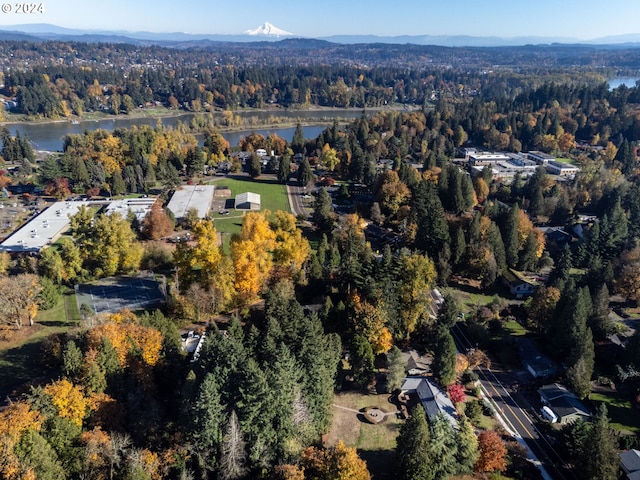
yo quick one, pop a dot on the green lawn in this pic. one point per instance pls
(273, 195)
(375, 443)
(21, 356)
(567, 160)
(623, 416)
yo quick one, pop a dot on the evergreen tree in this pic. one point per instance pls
(323, 214)
(467, 443)
(600, 460)
(361, 361)
(297, 143)
(413, 461)
(284, 169)
(443, 448)
(494, 239)
(444, 355)
(305, 173)
(458, 245)
(395, 368)
(510, 236)
(206, 416)
(599, 320)
(117, 184)
(529, 254)
(255, 166)
(432, 232)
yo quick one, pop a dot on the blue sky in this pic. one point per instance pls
(581, 19)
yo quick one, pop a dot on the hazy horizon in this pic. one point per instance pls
(584, 20)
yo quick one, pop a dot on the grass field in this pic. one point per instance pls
(273, 196)
(375, 443)
(623, 416)
(567, 160)
(20, 353)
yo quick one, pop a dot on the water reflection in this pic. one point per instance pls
(49, 136)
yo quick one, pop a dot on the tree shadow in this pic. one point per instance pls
(380, 463)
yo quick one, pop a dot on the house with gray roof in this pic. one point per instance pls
(630, 463)
(433, 400)
(563, 403)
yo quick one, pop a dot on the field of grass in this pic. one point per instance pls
(623, 416)
(375, 443)
(20, 353)
(273, 196)
(567, 160)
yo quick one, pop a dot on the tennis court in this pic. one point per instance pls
(110, 295)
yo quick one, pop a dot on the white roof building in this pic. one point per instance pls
(44, 229)
(191, 196)
(248, 201)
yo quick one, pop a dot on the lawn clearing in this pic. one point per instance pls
(21, 352)
(569, 161)
(375, 443)
(273, 195)
(623, 416)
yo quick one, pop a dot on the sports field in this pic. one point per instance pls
(110, 295)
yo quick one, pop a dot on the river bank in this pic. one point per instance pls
(164, 113)
(49, 136)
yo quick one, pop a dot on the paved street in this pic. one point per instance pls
(516, 419)
(296, 200)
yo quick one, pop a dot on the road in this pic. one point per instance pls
(516, 420)
(296, 201)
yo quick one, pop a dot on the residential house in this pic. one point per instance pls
(537, 364)
(564, 404)
(433, 400)
(630, 463)
(520, 284)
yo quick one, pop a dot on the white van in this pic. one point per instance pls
(548, 414)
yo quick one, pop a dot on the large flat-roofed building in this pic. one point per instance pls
(191, 196)
(506, 170)
(44, 229)
(561, 169)
(487, 158)
(540, 158)
(138, 206)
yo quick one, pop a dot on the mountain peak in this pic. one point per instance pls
(269, 30)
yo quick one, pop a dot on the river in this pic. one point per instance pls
(49, 136)
(628, 82)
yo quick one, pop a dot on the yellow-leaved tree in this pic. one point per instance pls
(291, 249)
(15, 420)
(204, 264)
(127, 338)
(370, 321)
(252, 255)
(335, 462)
(417, 274)
(69, 399)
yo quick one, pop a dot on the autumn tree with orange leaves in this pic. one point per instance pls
(493, 453)
(156, 223)
(333, 463)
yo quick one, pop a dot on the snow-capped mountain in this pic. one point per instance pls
(269, 30)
